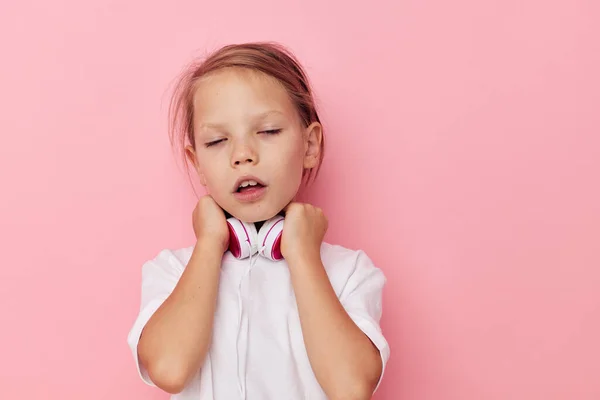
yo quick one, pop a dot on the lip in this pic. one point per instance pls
(251, 195)
(246, 178)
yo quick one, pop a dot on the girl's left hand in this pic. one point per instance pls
(303, 231)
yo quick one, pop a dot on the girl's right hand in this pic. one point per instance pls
(210, 223)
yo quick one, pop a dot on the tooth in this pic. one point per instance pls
(244, 184)
(253, 183)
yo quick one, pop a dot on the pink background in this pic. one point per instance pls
(463, 156)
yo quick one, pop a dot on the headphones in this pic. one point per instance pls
(245, 241)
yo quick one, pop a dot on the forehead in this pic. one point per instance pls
(239, 94)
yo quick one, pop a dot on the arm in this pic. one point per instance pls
(175, 340)
(345, 361)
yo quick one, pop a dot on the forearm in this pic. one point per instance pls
(176, 339)
(345, 362)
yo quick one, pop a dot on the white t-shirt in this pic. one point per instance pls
(257, 350)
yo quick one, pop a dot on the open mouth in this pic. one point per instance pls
(249, 186)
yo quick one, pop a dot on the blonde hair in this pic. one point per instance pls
(271, 59)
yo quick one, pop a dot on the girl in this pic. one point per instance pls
(259, 308)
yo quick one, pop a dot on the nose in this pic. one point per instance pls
(243, 153)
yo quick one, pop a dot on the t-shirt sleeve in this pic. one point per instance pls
(362, 298)
(159, 278)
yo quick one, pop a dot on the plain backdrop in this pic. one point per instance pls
(463, 155)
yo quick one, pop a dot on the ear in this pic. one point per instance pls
(313, 137)
(190, 154)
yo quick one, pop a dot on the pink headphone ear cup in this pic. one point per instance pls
(240, 237)
(234, 242)
(270, 238)
(276, 250)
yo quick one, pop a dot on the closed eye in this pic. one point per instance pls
(271, 131)
(214, 142)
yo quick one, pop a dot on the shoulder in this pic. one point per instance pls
(336, 256)
(168, 260)
(343, 265)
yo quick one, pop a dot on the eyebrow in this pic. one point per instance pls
(266, 114)
(258, 117)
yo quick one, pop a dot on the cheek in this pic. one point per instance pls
(294, 154)
(292, 165)
(211, 171)
(295, 150)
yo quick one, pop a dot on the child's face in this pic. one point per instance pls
(246, 127)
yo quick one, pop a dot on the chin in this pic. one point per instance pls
(255, 213)
(251, 217)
